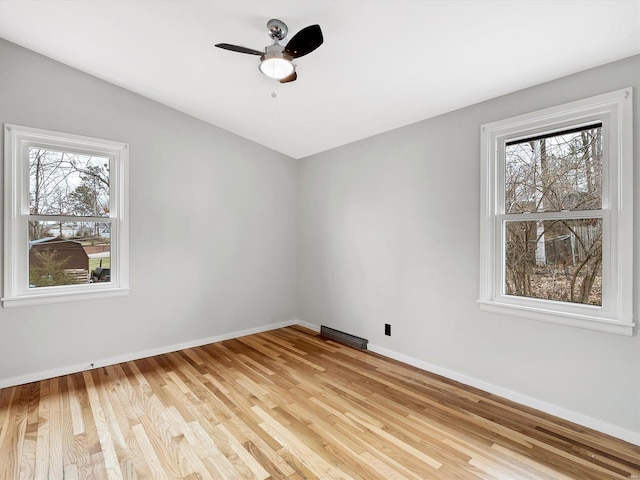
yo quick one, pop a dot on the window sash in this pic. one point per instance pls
(503, 141)
(113, 258)
(562, 215)
(609, 279)
(557, 133)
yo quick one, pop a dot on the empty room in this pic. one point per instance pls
(352, 239)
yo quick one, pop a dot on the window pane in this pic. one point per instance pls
(66, 253)
(62, 183)
(561, 172)
(555, 260)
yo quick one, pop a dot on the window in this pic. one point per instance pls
(556, 206)
(65, 223)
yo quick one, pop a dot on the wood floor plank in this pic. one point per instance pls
(243, 455)
(77, 420)
(9, 435)
(288, 404)
(107, 440)
(28, 457)
(266, 456)
(57, 422)
(300, 450)
(82, 460)
(152, 461)
(41, 469)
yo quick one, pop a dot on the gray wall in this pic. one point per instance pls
(389, 233)
(213, 225)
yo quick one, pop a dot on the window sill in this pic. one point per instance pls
(588, 322)
(49, 298)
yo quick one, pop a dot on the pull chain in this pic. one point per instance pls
(276, 96)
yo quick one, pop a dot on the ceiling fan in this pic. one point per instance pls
(277, 60)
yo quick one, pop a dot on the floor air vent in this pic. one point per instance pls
(344, 338)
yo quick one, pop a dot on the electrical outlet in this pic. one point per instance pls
(387, 329)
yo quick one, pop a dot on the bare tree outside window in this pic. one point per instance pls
(65, 186)
(554, 259)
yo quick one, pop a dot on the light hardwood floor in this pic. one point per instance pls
(287, 404)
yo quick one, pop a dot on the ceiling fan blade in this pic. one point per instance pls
(305, 41)
(239, 49)
(290, 78)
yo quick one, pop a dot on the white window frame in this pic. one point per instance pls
(615, 111)
(17, 141)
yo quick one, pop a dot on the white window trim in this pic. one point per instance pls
(615, 111)
(16, 291)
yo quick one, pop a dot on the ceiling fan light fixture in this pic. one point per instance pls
(275, 65)
(277, 60)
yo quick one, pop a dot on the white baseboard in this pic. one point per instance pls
(570, 415)
(66, 370)
(310, 326)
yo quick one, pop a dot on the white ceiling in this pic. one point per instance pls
(383, 64)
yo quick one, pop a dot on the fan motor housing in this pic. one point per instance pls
(277, 29)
